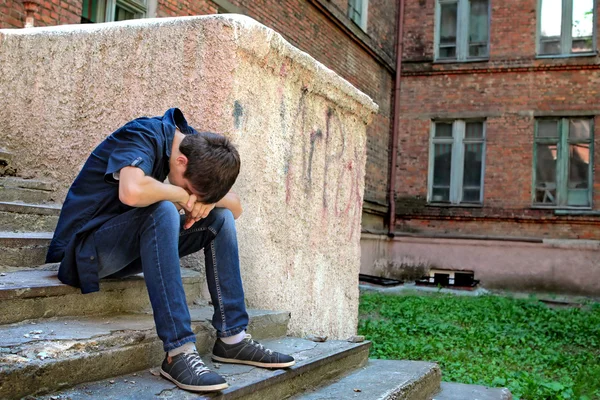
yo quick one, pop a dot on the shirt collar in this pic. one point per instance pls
(173, 119)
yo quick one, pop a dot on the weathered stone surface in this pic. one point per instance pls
(34, 184)
(27, 195)
(315, 363)
(6, 168)
(300, 130)
(384, 380)
(18, 217)
(39, 294)
(23, 249)
(460, 391)
(63, 352)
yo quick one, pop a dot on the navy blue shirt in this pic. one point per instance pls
(93, 197)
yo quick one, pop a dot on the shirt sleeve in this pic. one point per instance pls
(134, 145)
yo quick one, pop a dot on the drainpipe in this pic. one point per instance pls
(396, 123)
(31, 7)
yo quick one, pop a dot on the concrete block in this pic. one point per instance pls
(300, 130)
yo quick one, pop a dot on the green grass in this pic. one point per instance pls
(537, 352)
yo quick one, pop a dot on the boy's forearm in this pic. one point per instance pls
(232, 202)
(150, 191)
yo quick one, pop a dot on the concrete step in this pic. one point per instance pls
(39, 294)
(23, 183)
(26, 190)
(23, 249)
(383, 380)
(316, 363)
(460, 391)
(59, 353)
(21, 217)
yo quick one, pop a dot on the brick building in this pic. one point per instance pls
(497, 136)
(498, 141)
(498, 119)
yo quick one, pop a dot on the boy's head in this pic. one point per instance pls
(209, 166)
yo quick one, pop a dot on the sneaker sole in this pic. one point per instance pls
(254, 363)
(192, 388)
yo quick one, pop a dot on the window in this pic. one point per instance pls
(462, 30)
(566, 27)
(225, 7)
(112, 10)
(562, 173)
(357, 12)
(456, 162)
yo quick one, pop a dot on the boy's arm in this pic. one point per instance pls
(138, 190)
(232, 202)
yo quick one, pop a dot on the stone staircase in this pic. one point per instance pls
(29, 212)
(54, 340)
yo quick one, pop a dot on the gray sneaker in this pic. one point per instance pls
(187, 371)
(250, 352)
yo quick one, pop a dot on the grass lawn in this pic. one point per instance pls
(537, 352)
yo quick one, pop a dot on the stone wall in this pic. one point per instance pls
(300, 129)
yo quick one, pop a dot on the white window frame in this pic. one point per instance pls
(566, 40)
(562, 163)
(462, 31)
(458, 142)
(142, 9)
(363, 13)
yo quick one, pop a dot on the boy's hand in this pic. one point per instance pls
(188, 203)
(198, 211)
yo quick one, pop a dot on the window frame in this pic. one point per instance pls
(364, 11)
(562, 164)
(457, 161)
(565, 40)
(463, 10)
(140, 10)
(107, 8)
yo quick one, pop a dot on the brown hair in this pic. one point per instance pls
(213, 164)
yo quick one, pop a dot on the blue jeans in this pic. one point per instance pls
(151, 240)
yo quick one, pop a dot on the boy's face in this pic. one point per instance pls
(176, 175)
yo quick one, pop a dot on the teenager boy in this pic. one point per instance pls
(120, 219)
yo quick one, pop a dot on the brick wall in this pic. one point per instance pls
(183, 8)
(509, 91)
(51, 12)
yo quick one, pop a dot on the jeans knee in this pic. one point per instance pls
(165, 212)
(223, 217)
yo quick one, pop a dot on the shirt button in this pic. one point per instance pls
(92, 258)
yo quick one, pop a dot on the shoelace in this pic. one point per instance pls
(196, 363)
(256, 344)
